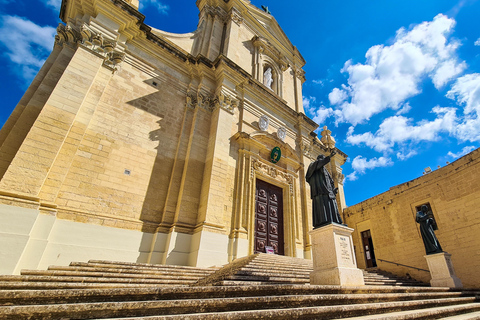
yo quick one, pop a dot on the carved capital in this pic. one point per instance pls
(338, 177)
(236, 17)
(91, 40)
(225, 102)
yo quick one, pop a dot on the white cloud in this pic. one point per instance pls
(308, 104)
(55, 4)
(464, 151)
(404, 109)
(392, 74)
(26, 44)
(160, 6)
(320, 114)
(398, 129)
(319, 82)
(337, 96)
(466, 92)
(477, 43)
(404, 155)
(361, 164)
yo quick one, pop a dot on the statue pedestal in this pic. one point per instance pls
(441, 270)
(333, 257)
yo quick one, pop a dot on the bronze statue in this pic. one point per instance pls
(430, 241)
(323, 191)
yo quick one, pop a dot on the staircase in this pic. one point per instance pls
(104, 274)
(255, 287)
(376, 277)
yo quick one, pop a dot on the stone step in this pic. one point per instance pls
(468, 316)
(144, 267)
(71, 295)
(257, 266)
(455, 312)
(35, 278)
(105, 275)
(267, 273)
(119, 269)
(266, 278)
(327, 312)
(148, 265)
(331, 304)
(9, 285)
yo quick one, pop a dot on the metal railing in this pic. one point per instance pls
(403, 265)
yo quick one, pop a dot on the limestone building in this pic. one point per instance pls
(386, 234)
(140, 145)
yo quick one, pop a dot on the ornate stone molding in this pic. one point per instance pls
(265, 47)
(262, 167)
(339, 177)
(225, 102)
(236, 17)
(306, 149)
(94, 41)
(216, 12)
(300, 74)
(199, 100)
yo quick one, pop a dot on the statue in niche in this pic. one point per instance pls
(268, 78)
(430, 241)
(323, 193)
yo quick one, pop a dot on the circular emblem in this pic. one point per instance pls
(275, 155)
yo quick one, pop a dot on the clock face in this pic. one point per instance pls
(275, 155)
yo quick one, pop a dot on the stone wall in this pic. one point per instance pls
(453, 194)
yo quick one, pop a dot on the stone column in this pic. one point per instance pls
(333, 257)
(441, 270)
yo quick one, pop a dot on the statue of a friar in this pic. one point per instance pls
(430, 241)
(323, 192)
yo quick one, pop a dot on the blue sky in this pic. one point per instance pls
(397, 82)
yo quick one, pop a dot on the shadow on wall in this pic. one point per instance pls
(171, 200)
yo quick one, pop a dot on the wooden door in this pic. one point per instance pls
(368, 249)
(268, 217)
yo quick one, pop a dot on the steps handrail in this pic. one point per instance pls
(403, 265)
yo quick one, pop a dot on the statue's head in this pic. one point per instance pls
(424, 208)
(320, 157)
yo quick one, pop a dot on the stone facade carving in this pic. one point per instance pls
(210, 103)
(225, 102)
(274, 173)
(236, 17)
(281, 133)
(83, 35)
(338, 177)
(263, 122)
(327, 139)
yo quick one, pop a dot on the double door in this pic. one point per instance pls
(268, 218)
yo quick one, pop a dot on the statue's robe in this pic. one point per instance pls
(430, 241)
(322, 191)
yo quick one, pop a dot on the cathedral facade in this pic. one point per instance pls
(136, 144)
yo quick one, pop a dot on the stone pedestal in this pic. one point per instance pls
(441, 270)
(333, 257)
